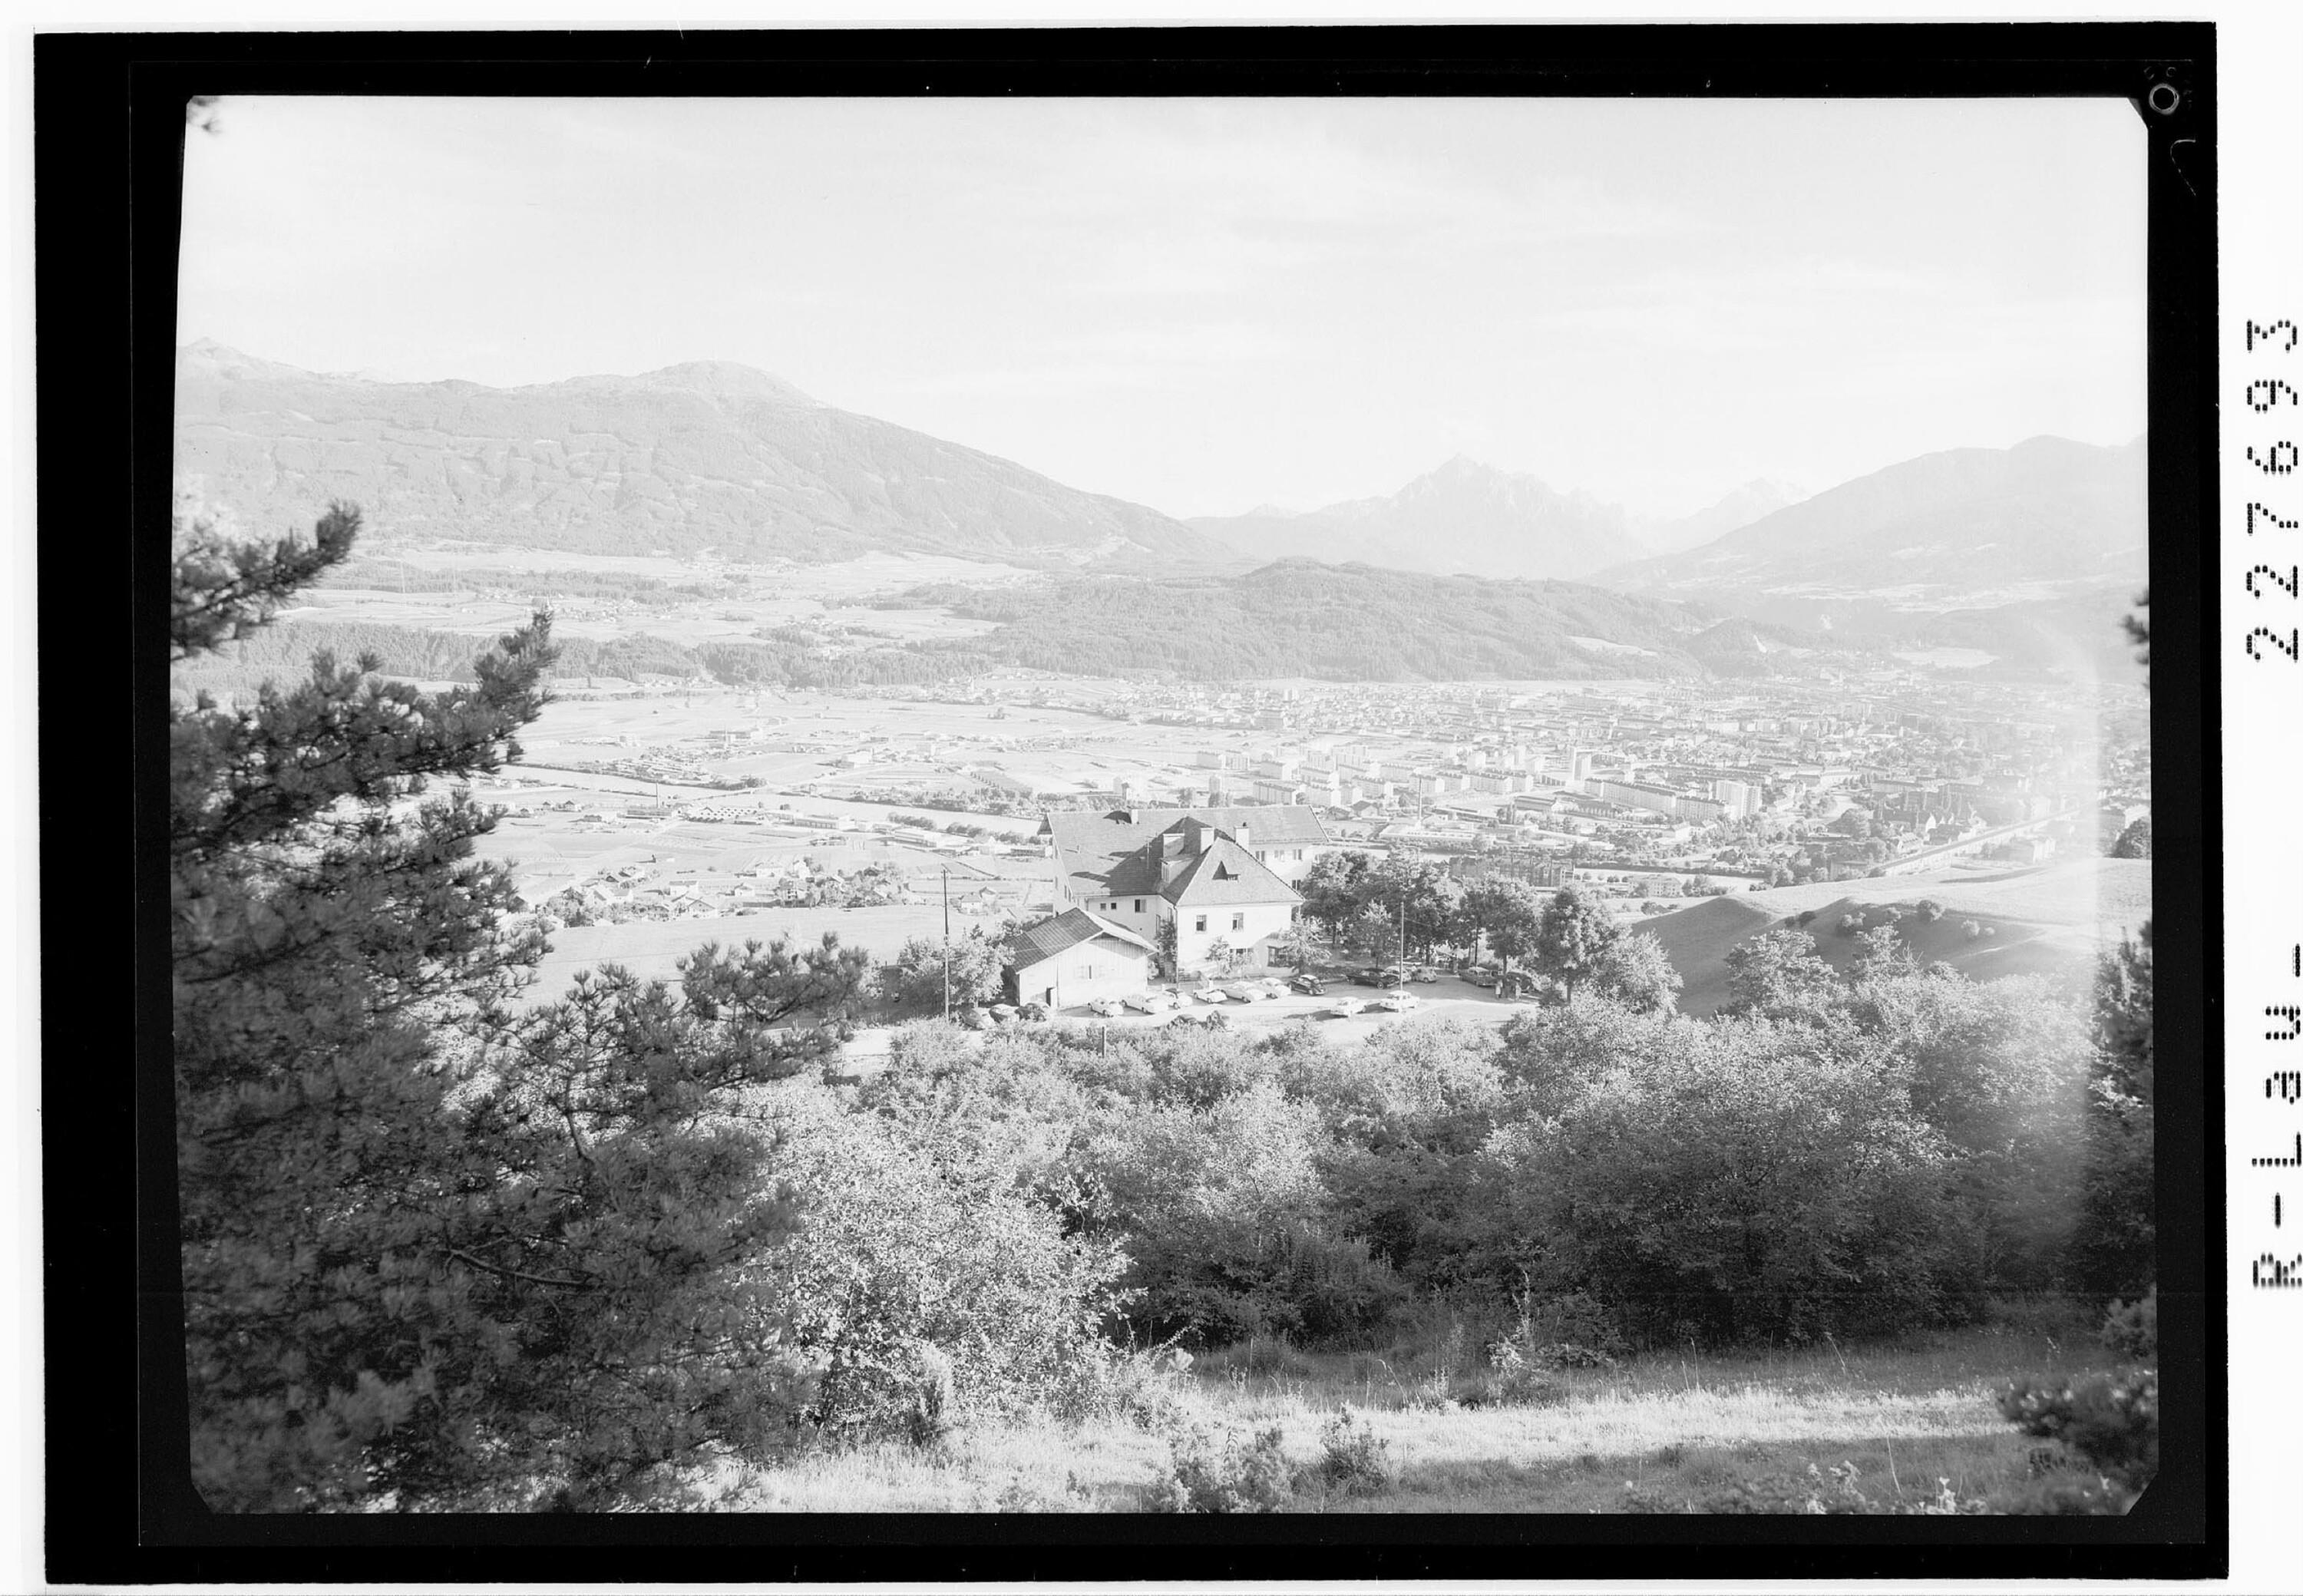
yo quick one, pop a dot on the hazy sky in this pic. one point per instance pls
(1203, 305)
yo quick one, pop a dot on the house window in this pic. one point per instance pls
(1139, 906)
(1239, 922)
(1200, 923)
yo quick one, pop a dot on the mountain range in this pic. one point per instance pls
(705, 455)
(1469, 518)
(1959, 529)
(2027, 552)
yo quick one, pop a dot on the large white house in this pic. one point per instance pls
(1223, 877)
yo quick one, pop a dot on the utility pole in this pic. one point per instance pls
(947, 944)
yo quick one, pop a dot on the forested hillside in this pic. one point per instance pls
(1348, 622)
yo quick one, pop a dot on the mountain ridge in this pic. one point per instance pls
(695, 455)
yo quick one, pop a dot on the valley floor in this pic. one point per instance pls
(1909, 1415)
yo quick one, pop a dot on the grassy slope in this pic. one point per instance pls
(1906, 1413)
(2049, 921)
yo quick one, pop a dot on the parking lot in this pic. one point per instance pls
(1447, 996)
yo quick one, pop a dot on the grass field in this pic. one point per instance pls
(1908, 1413)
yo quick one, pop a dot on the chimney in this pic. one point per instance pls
(1239, 835)
(1196, 836)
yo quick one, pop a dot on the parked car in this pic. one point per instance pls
(974, 1019)
(1341, 1008)
(1393, 976)
(1208, 995)
(1423, 973)
(1519, 987)
(1371, 976)
(1144, 1003)
(1108, 1008)
(1399, 1001)
(1484, 978)
(1310, 986)
(1002, 1014)
(1239, 992)
(1269, 988)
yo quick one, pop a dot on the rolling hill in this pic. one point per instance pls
(1966, 530)
(701, 456)
(2047, 921)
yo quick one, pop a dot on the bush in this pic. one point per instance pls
(1814, 1200)
(1931, 910)
(1970, 929)
(1353, 1458)
(923, 1298)
(1517, 1380)
(1216, 1470)
(2111, 1421)
(2132, 1329)
(1221, 1211)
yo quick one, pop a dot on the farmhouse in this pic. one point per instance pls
(1221, 878)
(1072, 958)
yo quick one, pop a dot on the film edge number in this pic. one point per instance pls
(2263, 395)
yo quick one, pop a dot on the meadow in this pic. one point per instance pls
(1658, 1431)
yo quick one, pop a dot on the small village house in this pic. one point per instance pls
(1072, 958)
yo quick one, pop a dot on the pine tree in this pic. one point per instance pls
(433, 1256)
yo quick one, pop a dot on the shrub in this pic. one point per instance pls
(2132, 1329)
(1970, 929)
(2111, 1421)
(1813, 1200)
(1352, 1457)
(923, 1296)
(1221, 1211)
(1931, 910)
(917, 984)
(1217, 1470)
(1517, 1380)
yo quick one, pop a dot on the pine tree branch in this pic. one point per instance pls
(514, 1274)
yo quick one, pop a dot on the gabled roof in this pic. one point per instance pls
(1226, 873)
(1044, 939)
(1093, 852)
